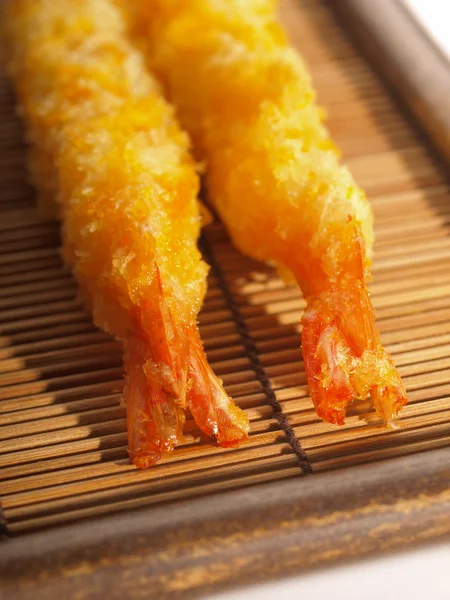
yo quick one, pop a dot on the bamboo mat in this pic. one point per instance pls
(62, 429)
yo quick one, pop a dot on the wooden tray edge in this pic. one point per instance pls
(237, 537)
(406, 57)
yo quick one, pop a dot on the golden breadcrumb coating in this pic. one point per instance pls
(272, 171)
(106, 145)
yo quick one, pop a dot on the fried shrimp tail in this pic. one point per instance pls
(108, 152)
(343, 355)
(156, 359)
(155, 418)
(214, 412)
(274, 176)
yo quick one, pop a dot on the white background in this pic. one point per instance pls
(420, 574)
(435, 17)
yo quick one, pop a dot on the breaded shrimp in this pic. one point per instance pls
(107, 145)
(272, 172)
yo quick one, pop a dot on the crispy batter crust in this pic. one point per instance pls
(106, 145)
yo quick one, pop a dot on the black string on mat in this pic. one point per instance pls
(252, 354)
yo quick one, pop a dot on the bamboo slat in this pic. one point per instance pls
(62, 428)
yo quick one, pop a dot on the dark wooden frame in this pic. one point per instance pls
(275, 528)
(241, 536)
(407, 57)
